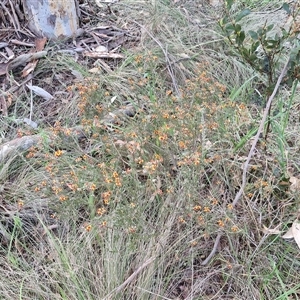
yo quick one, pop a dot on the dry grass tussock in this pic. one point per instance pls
(131, 179)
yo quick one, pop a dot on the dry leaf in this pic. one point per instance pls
(184, 55)
(29, 68)
(2, 45)
(120, 143)
(112, 100)
(10, 53)
(40, 43)
(97, 123)
(101, 49)
(296, 232)
(3, 68)
(295, 184)
(39, 46)
(95, 70)
(267, 230)
(3, 106)
(40, 92)
(99, 4)
(31, 123)
(208, 145)
(24, 58)
(288, 234)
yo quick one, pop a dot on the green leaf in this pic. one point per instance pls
(285, 34)
(260, 32)
(253, 35)
(228, 4)
(242, 14)
(245, 139)
(277, 37)
(223, 21)
(286, 7)
(254, 46)
(240, 37)
(270, 44)
(229, 28)
(252, 57)
(245, 52)
(237, 28)
(270, 27)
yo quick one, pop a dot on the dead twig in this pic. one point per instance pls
(21, 43)
(13, 20)
(16, 19)
(246, 165)
(24, 58)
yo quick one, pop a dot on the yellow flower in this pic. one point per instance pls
(58, 153)
(88, 227)
(101, 211)
(197, 208)
(230, 206)
(37, 189)
(106, 197)
(181, 144)
(206, 209)
(20, 204)
(181, 220)
(118, 181)
(63, 198)
(92, 186)
(221, 223)
(214, 201)
(194, 243)
(234, 228)
(162, 137)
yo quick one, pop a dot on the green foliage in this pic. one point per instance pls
(262, 49)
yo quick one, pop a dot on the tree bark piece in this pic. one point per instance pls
(52, 18)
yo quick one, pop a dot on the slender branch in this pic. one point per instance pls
(260, 129)
(213, 251)
(246, 165)
(131, 277)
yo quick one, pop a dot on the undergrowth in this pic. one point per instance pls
(127, 203)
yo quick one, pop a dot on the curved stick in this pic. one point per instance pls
(244, 177)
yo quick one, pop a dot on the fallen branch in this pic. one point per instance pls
(108, 122)
(24, 143)
(18, 144)
(20, 60)
(246, 165)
